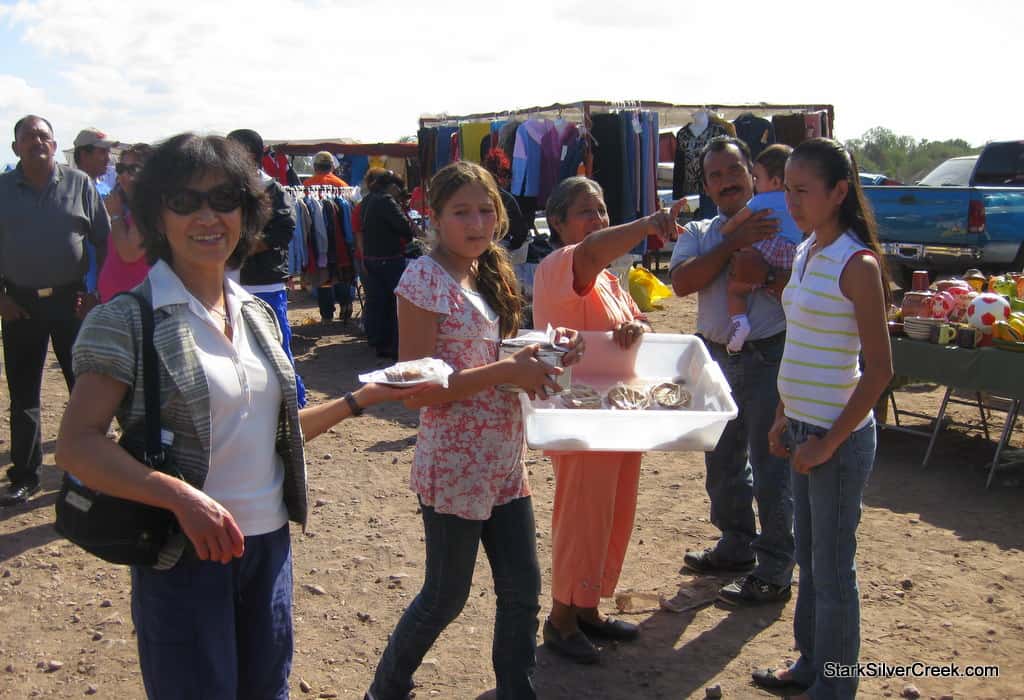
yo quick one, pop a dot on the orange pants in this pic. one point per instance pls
(592, 520)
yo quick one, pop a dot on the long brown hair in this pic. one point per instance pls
(834, 163)
(495, 276)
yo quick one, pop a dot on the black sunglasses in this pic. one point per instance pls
(223, 198)
(133, 169)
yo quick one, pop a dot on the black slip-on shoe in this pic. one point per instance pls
(611, 628)
(576, 647)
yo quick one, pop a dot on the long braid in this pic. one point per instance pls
(497, 283)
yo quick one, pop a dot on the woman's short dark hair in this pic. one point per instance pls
(564, 196)
(179, 161)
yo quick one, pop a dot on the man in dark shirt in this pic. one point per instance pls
(264, 273)
(47, 213)
(386, 232)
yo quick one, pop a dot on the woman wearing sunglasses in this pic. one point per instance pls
(213, 619)
(125, 265)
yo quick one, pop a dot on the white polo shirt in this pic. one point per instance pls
(246, 474)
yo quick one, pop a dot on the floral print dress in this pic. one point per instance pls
(469, 453)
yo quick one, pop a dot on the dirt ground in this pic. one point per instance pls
(941, 568)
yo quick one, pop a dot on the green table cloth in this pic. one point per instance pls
(992, 370)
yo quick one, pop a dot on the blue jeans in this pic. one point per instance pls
(212, 630)
(741, 468)
(509, 539)
(826, 623)
(279, 303)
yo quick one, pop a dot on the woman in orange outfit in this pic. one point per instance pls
(595, 492)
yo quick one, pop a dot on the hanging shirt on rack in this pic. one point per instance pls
(527, 157)
(346, 239)
(456, 148)
(276, 166)
(687, 172)
(666, 147)
(319, 237)
(790, 129)
(630, 189)
(426, 148)
(470, 135)
(297, 247)
(358, 167)
(755, 131)
(816, 124)
(649, 163)
(609, 168)
(443, 149)
(507, 137)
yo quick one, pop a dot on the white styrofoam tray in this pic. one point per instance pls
(657, 357)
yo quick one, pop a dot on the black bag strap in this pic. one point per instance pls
(156, 457)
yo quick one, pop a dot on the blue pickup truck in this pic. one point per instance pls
(968, 212)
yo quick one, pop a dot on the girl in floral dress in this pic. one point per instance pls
(456, 304)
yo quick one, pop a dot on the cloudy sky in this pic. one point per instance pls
(320, 68)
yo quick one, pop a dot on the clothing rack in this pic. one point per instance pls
(669, 114)
(322, 191)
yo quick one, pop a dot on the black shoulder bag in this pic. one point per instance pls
(116, 529)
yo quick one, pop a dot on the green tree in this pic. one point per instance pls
(880, 150)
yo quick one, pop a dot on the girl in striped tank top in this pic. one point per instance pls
(836, 364)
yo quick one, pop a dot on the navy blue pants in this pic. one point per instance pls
(381, 314)
(211, 630)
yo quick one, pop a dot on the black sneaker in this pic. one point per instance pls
(707, 562)
(750, 590)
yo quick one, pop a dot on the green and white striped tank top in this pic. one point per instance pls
(820, 365)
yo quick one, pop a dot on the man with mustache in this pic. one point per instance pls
(740, 469)
(47, 213)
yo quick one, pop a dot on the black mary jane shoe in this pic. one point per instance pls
(611, 628)
(766, 678)
(576, 647)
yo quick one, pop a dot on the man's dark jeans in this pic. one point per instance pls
(381, 314)
(25, 348)
(509, 539)
(741, 468)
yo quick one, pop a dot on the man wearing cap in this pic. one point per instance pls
(92, 156)
(323, 165)
(47, 213)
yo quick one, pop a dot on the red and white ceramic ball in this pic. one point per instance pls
(942, 305)
(986, 309)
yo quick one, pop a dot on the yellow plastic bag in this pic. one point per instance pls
(647, 290)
